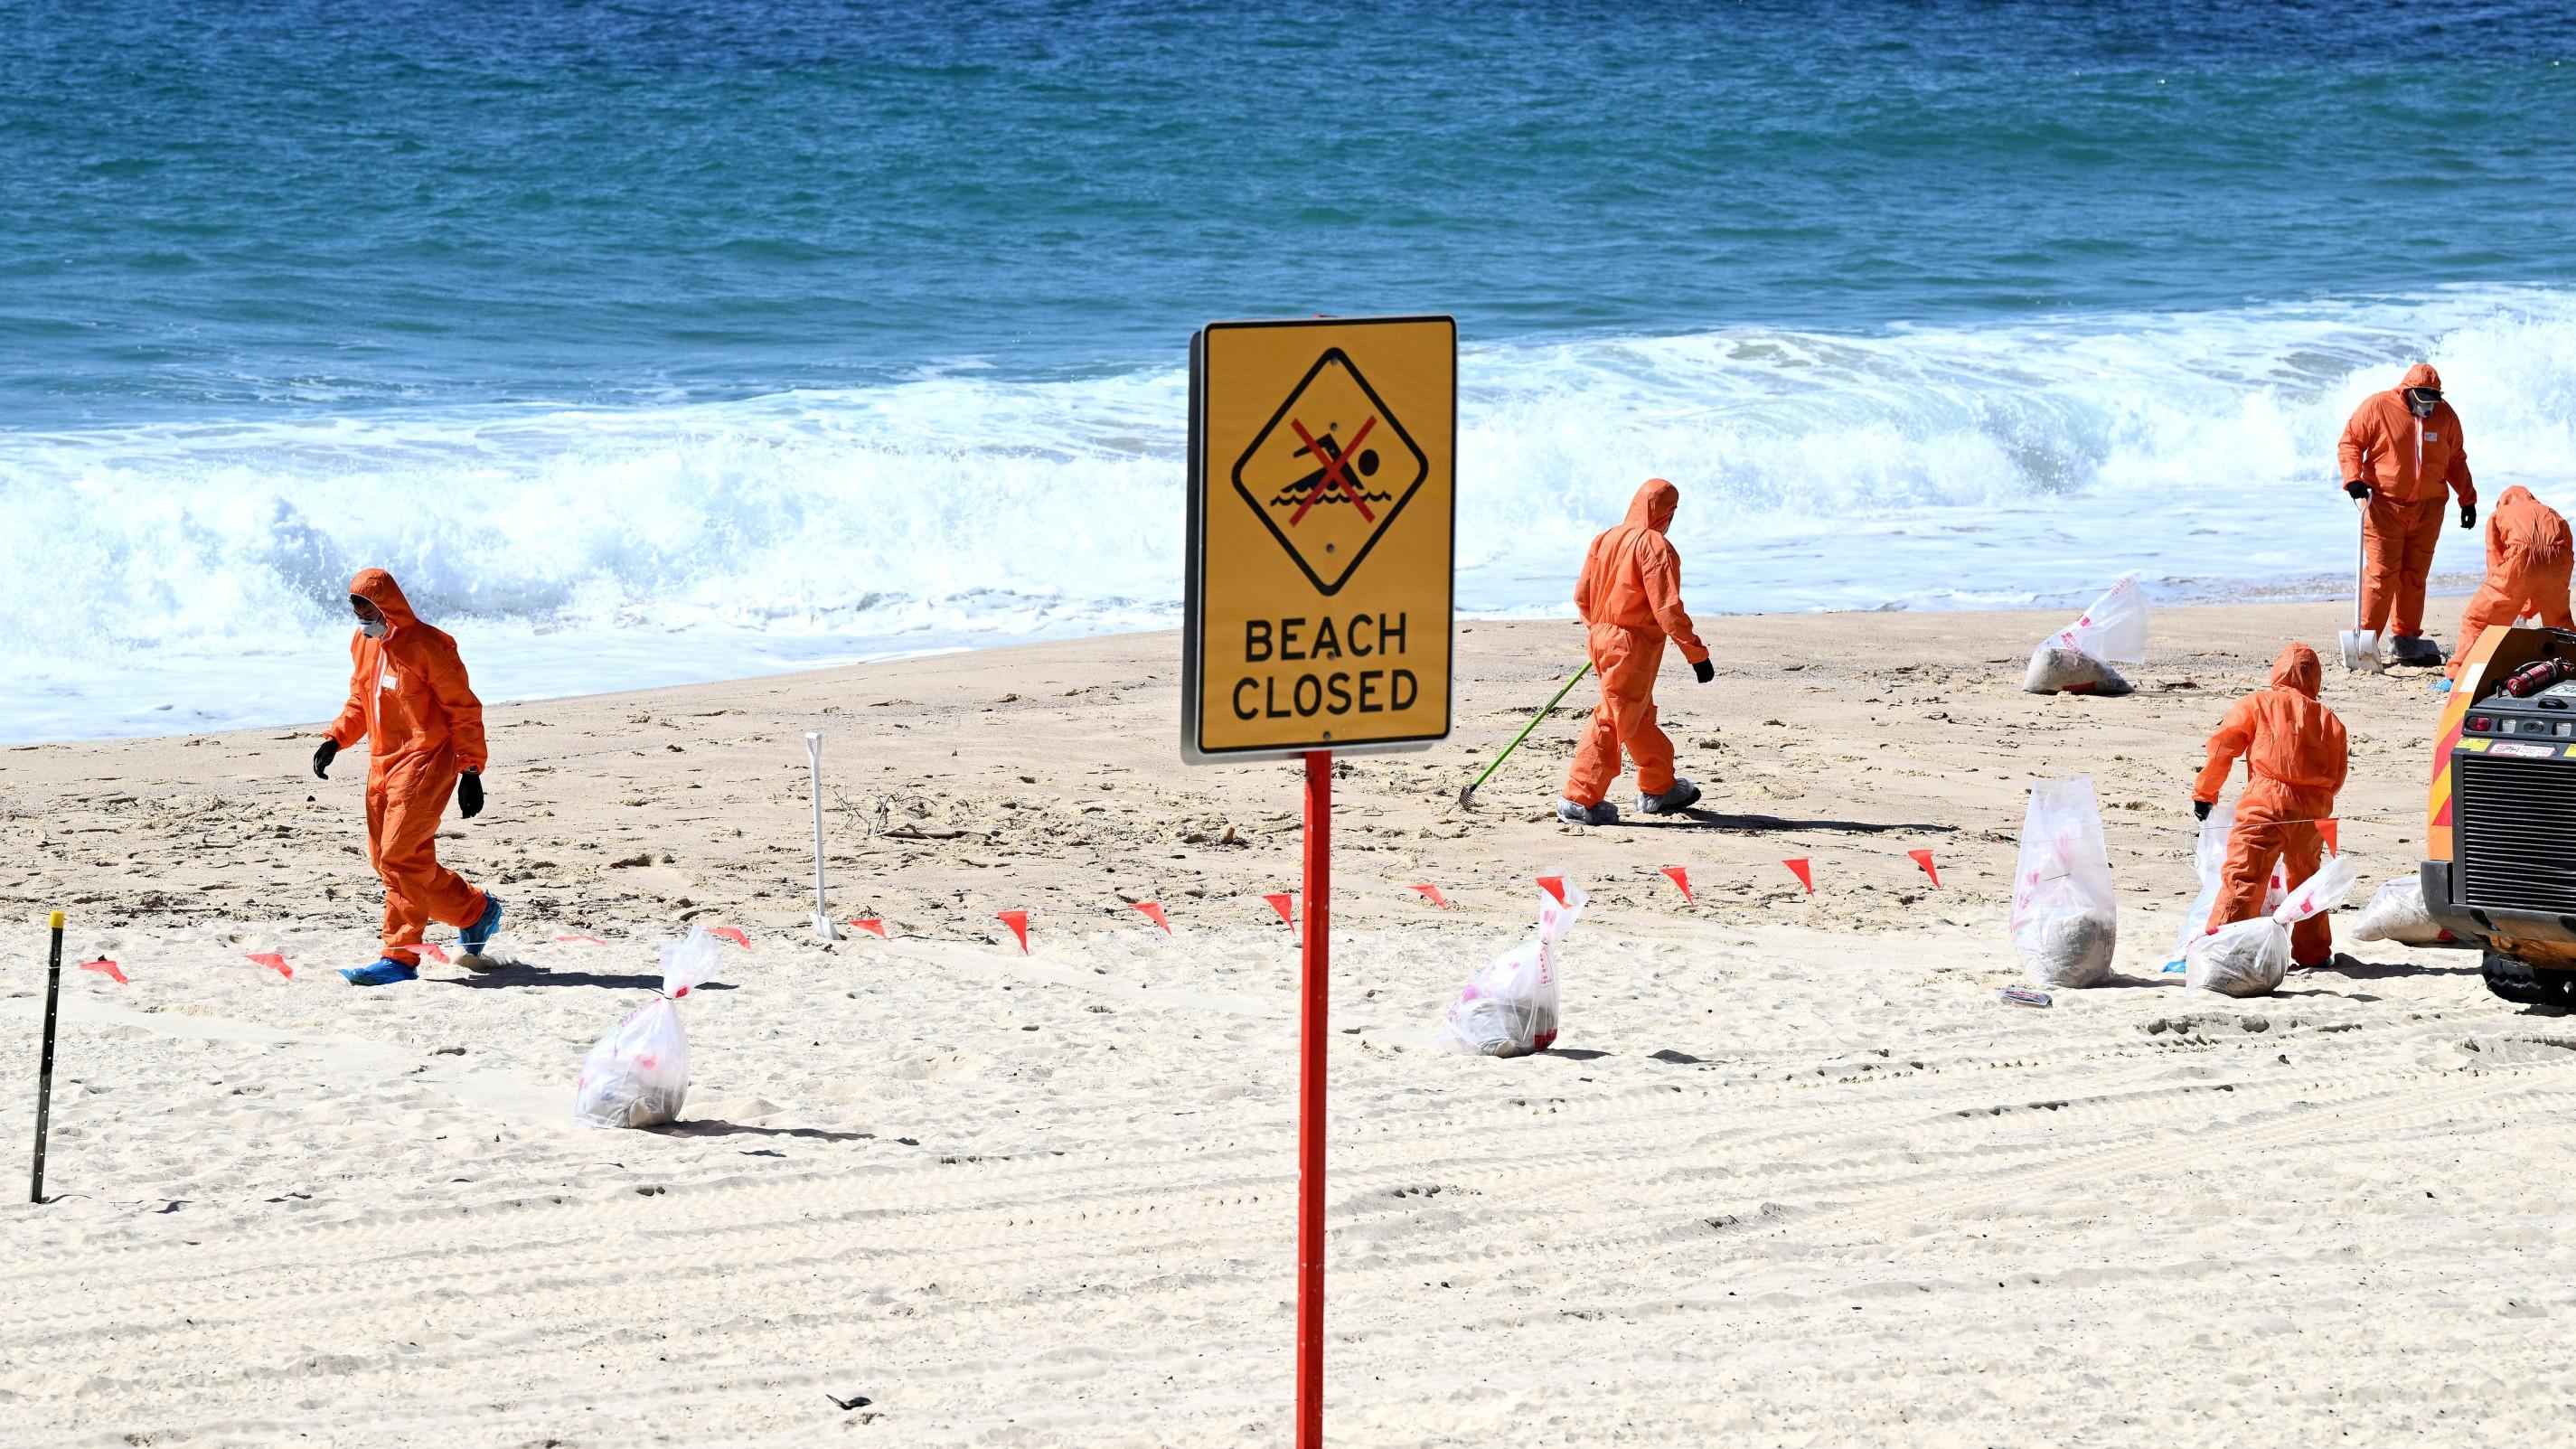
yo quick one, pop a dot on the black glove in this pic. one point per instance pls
(1704, 671)
(2468, 515)
(2357, 488)
(2200, 810)
(323, 754)
(469, 794)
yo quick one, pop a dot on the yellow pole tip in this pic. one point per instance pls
(57, 921)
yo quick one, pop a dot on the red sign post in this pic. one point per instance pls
(1315, 620)
(1315, 987)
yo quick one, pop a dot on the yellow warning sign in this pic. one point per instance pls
(1323, 503)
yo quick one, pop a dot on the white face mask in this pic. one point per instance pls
(2421, 407)
(375, 628)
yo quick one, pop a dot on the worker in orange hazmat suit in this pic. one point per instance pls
(2399, 452)
(1630, 597)
(410, 701)
(2527, 566)
(2293, 747)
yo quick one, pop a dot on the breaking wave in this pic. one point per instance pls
(187, 576)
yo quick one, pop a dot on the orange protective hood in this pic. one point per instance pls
(2292, 745)
(2406, 461)
(2522, 532)
(409, 696)
(378, 588)
(2296, 668)
(1653, 506)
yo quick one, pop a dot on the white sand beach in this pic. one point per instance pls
(1792, 1174)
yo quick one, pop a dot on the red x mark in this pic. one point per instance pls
(1333, 477)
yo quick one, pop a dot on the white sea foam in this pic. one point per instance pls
(187, 577)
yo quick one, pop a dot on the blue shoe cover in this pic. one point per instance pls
(385, 972)
(479, 935)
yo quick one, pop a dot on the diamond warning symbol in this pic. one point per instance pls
(1330, 471)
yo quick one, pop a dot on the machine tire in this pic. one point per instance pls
(2527, 985)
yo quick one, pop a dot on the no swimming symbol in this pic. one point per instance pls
(1330, 471)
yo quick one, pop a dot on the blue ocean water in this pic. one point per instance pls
(653, 341)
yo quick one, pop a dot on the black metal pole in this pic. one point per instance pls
(45, 1062)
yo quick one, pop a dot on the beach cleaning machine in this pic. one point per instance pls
(2501, 819)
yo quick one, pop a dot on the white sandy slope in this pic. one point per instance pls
(1792, 1176)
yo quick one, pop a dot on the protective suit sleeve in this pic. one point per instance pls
(1584, 590)
(446, 675)
(351, 725)
(2341, 752)
(2234, 735)
(2462, 486)
(1660, 569)
(2353, 453)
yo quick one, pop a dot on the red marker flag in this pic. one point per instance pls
(106, 968)
(2326, 828)
(1554, 885)
(579, 940)
(1799, 869)
(1680, 877)
(434, 952)
(871, 923)
(1432, 894)
(731, 933)
(1153, 912)
(1923, 858)
(1018, 921)
(1286, 905)
(272, 961)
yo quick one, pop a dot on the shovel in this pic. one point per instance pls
(2360, 645)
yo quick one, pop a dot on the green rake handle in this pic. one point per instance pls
(1467, 797)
